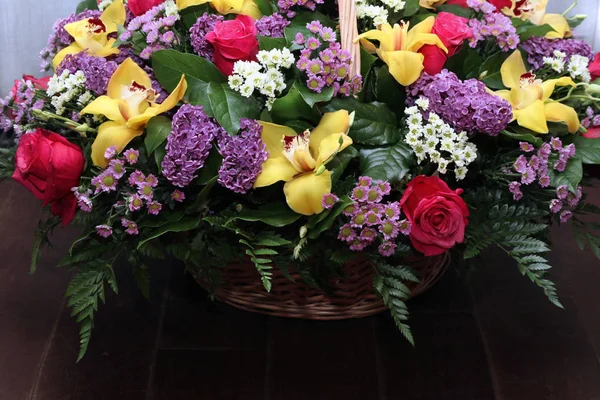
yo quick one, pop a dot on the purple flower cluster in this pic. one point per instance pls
(371, 219)
(565, 200)
(189, 144)
(326, 66)
(205, 24)
(243, 157)
(481, 6)
(272, 25)
(465, 105)
(539, 47)
(97, 70)
(591, 119)
(84, 202)
(16, 109)
(285, 6)
(60, 38)
(536, 167)
(497, 27)
(156, 27)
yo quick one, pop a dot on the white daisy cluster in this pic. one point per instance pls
(435, 140)
(557, 63)
(103, 5)
(577, 66)
(66, 88)
(264, 75)
(377, 12)
(171, 8)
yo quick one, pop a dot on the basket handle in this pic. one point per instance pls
(348, 32)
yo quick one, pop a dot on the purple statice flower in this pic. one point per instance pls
(568, 151)
(285, 6)
(117, 168)
(205, 24)
(555, 206)
(359, 219)
(372, 218)
(299, 39)
(350, 210)
(110, 153)
(515, 189)
(368, 235)
(360, 193)
(529, 176)
(538, 47)
(243, 157)
(560, 165)
(104, 231)
(544, 181)
(178, 196)
(565, 216)
(131, 156)
(562, 192)
(520, 164)
(272, 25)
(189, 144)
(384, 187)
(405, 227)
(145, 191)
(83, 200)
(526, 147)
(132, 228)
(496, 27)
(154, 207)
(60, 38)
(136, 178)
(329, 200)
(135, 203)
(573, 200)
(387, 249)
(151, 180)
(556, 143)
(389, 229)
(358, 245)
(347, 233)
(392, 211)
(97, 70)
(465, 105)
(374, 195)
(16, 109)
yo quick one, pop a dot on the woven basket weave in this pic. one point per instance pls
(350, 296)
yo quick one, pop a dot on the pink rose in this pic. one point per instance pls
(233, 40)
(140, 7)
(437, 213)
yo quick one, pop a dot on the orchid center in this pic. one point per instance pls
(136, 98)
(95, 26)
(296, 150)
(400, 34)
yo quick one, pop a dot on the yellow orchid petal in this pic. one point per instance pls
(405, 66)
(330, 145)
(108, 49)
(111, 134)
(557, 112)
(385, 40)
(275, 169)
(114, 15)
(512, 69)
(549, 85)
(533, 117)
(503, 94)
(304, 194)
(368, 46)
(106, 106)
(174, 98)
(419, 40)
(560, 25)
(127, 73)
(245, 7)
(424, 26)
(524, 97)
(331, 124)
(431, 4)
(58, 58)
(140, 121)
(272, 136)
(183, 4)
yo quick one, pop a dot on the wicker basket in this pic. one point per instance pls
(351, 296)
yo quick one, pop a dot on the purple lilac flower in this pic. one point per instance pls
(243, 157)
(387, 249)
(132, 228)
(97, 70)
(272, 25)
(515, 189)
(285, 6)
(154, 207)
(205, 24)
(538, 47)
(497, 27)
(131, 156)
(104, 231)
(329, 200)
(465, 105)
(178, 196)
(135, 202)
(565, 216)
(189, 144)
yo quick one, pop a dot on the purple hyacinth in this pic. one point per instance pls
(97, 70)
(497, 27)
(189, 144)
(539, 47)
(205, 24)
(466, 105)
(272, 25)
(243, 157)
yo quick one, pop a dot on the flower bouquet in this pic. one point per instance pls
(293, 146)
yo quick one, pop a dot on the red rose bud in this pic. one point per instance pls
(48, 165)
(233, 40)
(140, 7)
(594, 67)
(437, 213)
(499, 4)
(435, 59)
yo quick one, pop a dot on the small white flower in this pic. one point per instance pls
(412, 110)
(171, 8)
(246, 90)
(461, 173)
(423, 103)
(443, 166)
(235, 81)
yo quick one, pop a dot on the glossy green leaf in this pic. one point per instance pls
(190, 15)
(228, 106)
(292, 106)
(390, 163)
(338, 165)
(411, 7)
(490, 69)
(588, 149)
(211, 167)
(159, 155)
(325, 223)
(183, 225)
(389, 91)
(571, 177)
(456, 10)
(524, 136)
(310, 97)
(366, 61)
(276, 214)
(264, 6)
(270, 43)
(86, 5)
(157, 131)
(528, 30)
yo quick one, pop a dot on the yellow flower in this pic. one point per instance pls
(431, 4)
(535, 11)
(299, 160)
(129, 105)
(530, 97)
(245, 7)
(91, 34)
(398, 48)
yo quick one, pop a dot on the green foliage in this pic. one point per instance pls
(490, 70)
(41, 240)
(464, 12)
(157, 132)
(274, 214)
(292, 106)
(142, 278)
(310, 97)
(588, 149)
(269, 43)
(587, 234)
(389, 91)
(183, 225)
(340, 162)
(86, 5)
(228, 106)
(571, 177)
(411, 7)
(190, 15)
(7, 162)
(523, 135)
(390, 163)
(262, 264)
(526, 29)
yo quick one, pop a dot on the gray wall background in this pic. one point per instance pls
(26, 24)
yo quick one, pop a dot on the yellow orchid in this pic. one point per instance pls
(91, 34)
(129, 105)
(245, 7)
(431, 4)
(530, 97)
(299, 160)
(398, 48)
(535, 11)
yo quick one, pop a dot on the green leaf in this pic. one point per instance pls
(190, 15)
(142, 279)
(276, 214)
(456, 10)
(228, 106)
(491, 69)
(169, 65)
(571, 177)
(366, 60)
(524, 137)
(528, 30)
(292, 106)
(159, 155)
(588, 149)
(387, 163)
(211, 167)
(310, 97)
(86, 5)
(389, 91)
(374, 123)
(411, 7)
(157, 131)
(183, 225)
(327, 222)
(270, 43)
(338, 165)
(264, 6)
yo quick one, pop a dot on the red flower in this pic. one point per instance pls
(233, 40)
(48, 165)
(592, 133)
(140, 7)
(499, 4)
(41, 83)
(594, 67)
(452, 31)
(438, 215)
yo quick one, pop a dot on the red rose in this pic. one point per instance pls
(48, 165)
(140, 7)
(452, 31)
(592, 133)
(438, 215)
(499, 4)
(594, 67)
(233, 40)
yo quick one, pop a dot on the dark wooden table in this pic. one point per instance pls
(497, 338)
